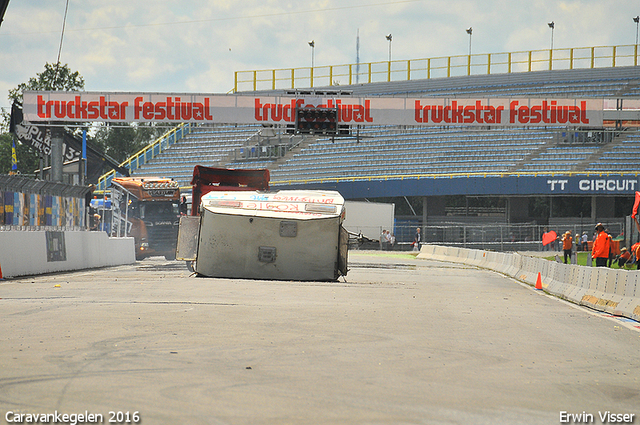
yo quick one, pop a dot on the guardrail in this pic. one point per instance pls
(437, 67)
(613, 291)
(147, 153)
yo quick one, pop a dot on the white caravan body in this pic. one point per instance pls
(285, 235)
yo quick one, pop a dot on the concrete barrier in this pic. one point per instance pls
(24, 253)
(613, 291)
(581, 285)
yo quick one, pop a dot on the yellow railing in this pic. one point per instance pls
(147, 153)
(438, 67)
(419, 176)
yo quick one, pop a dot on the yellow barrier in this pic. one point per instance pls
(438, 67)
(444, 176)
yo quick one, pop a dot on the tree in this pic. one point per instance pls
(54, 77)
(27, 161)
(122, 140)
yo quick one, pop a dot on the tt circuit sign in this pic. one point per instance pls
(57, 106)
(508, 185)
(612, 185)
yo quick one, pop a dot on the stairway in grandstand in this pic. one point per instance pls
(210, 145)
(246, 146)
(393, 151)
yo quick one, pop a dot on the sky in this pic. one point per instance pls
(196, 46)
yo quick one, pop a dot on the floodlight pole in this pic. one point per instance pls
(469, 31)
(552, 25)
(312, 43)
(389, 38)
(637, 21)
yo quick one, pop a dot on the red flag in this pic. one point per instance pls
(549, 237)
(635, 206)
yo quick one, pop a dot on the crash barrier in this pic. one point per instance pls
(28, 204)
(46, 251)
(613, 291)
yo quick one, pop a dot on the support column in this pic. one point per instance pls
(424, 212)
(56, 154)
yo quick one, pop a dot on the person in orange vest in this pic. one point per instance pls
(624, 258)
(610, 247)
(567, 244)
(600, 250)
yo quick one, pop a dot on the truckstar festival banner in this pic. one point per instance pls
(55, 106)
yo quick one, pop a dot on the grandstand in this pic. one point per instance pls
(429, 162)
(394, 152)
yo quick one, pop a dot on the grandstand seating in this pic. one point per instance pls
(393, 151)
(210, 145)
(621, 157)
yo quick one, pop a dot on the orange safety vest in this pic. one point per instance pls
(567, 242)
(601, 246)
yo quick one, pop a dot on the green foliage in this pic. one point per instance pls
(27, 161)
(121, 141)
(54, 77)
(582, 261)
(118, 141)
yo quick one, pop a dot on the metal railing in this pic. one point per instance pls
(508, 237)
(259, 152)
(146, 154)
(437, 67)
(495, 237)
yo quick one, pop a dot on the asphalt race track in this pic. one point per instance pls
(401, 341)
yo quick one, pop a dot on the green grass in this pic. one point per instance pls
(582, 260)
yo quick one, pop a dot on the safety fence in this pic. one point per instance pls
(27, 204)
(437, 67)
(613, 291)
(509, 237)
(495, 237)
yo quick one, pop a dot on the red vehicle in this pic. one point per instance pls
(207, 179)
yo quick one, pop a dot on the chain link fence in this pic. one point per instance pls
(494, 237)
(521, 237)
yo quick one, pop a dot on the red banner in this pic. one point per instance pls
(58, 106)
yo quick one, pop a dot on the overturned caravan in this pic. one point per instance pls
(284, 235)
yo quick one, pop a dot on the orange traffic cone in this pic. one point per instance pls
(539, 282)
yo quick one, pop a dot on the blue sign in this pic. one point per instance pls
(547, 185)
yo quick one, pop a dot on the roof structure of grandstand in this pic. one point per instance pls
(403, 152)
